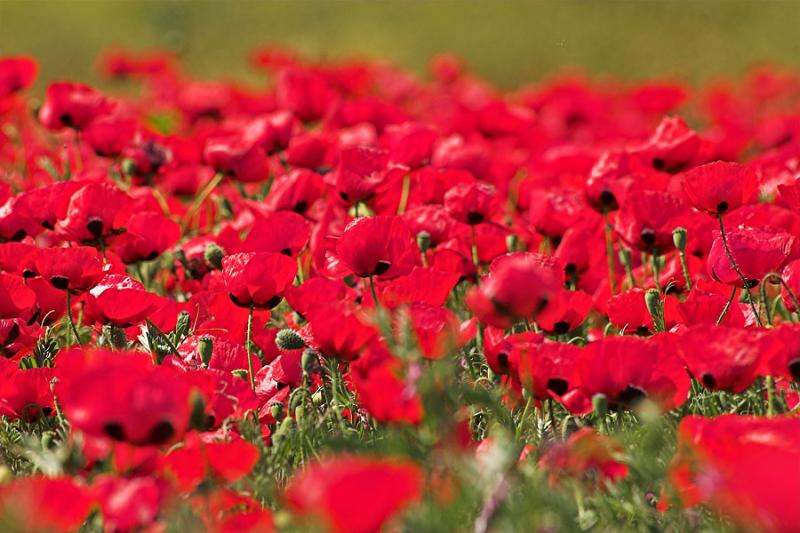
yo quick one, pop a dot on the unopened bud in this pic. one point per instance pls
(600, 405)
(213, 256)
(116, 336)
(625, 257)
(288, 339)
(423, 241)
(183, 324)
(128, 167)
(652, 299)
(679, 238)
(276, 411)
(205, 346)
(309, 361)
(512, 241)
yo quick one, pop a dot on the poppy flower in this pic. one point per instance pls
(148, 405)
(472, 203)
(756, 251)
(16, 73)
(546, 369)
(120, 300)
(646, 220)
(324, 491)
(719, 187)
(378, 246)
(296, 191)
(585, 452)
(791, 276)
(340, 331)
(282, 232)
(725, 358)
(71, 105)
(745, 467)
(628, 311)
(704, 306)
(519, 286)
(38, 504)
(258, 278)
(234, 155)
(428, 285)
(564, 312)
(76, 269)
(225, 458)
(15, 297)
(26, 393)
(436, 329)
(319, 292)
(360, 172)
(147, 235)
(129, 503)
(110, 133)
(305, 93)
(94, 211)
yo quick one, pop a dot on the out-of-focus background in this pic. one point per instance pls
(507, 41)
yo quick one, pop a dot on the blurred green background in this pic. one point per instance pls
(507, 41)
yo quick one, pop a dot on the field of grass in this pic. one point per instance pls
(507, 41)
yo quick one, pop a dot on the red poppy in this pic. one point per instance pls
(719, 187)
(791, 276)
(472, 203)
(94, 211)
(15, 297)
(757, 252)
(25, 393)
(436, 329)
(39, 504)
(236, 156)
(129, 503)
(519, 286)
(546, 369)
(743, 466)
(360, 172)
(120, 300)
(226, 458)
(724, 358)
(148, 405)
(147, 235)
(75, 269)
(628, 311)
(337, 330)
(585, 452)
(565, 312)
(378, 246)
(110, 134)
(258, 278)
(325, 491)
(646, 220)
(71, 105)
(16, 73)
(296, 191)
(282, 232)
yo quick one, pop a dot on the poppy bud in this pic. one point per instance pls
(652, 299)
(309, 361)
(213, 256)
(276, 411)
(205, 345)
(128, 167)
(299, 413)
(511, 242)
(679, 238)
(116, 335)
(423, 241)
(47, 439)
(183, 324)
(240, 373)
(288, 339)
(600, 405)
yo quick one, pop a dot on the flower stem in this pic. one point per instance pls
(247, 348)
(727, 306)
(612, 281)
(374, 294)
(200, 198)
(475, 259)
(72, 321)
(685, 267)
(735, 266)
(656, 270)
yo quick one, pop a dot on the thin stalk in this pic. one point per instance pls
(374, 295)
(737, 270)
(475, 259)
(763, 293)
(72, 321)
(685, 267)
(200, 198)
(656, 270)
(727, 305)
(612, 281)
(247, 348)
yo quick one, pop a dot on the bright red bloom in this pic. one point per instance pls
(121, 301)
(110, 134)
(546, 369)
(564, 312)
(724, 358)
(378, 246)
(16, 73)
(585, 452)
(337, 330)
(258, 278)
(745, 467)
(71, 105)
(128, 504)
(325, 491)
(75, 269)
(147, 235)
(719, 187)
(15, 297)
(148, 405)
(225, 458)
(25, 393)
(94, 211)
(39, 504)
(647, 218)
(519, 286)
(435, 328)
(360, 172)
(757, 252)
(282, 232)
(791, 276)
(237, 156)
(472, 203)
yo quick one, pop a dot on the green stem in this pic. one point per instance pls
(770, 383)
(374, 295)
(745, 285)
(727, 306)
(685, 267)
(72, 321)
(200, 198)
(475, 259)
(247, 348)
(763, 293)
(656, 270)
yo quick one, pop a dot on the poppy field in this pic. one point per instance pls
(354, 299)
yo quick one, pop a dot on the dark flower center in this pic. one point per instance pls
(559, 386)
(381, 267)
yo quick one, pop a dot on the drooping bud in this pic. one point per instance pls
(183, 324)
(288, 339)
(679, 239)
(652, 299)
(128, 167)
(600, 405)
(276, 411)
(205, 346)
(213, 255)
(423, 241)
